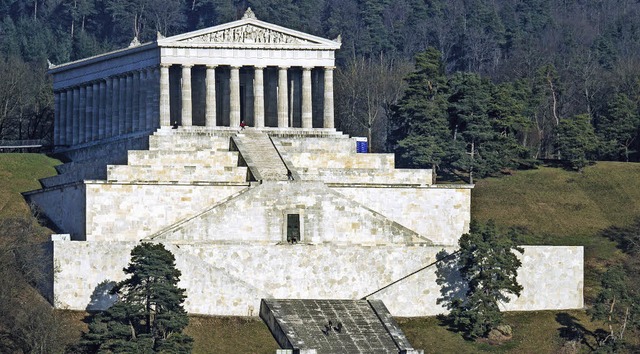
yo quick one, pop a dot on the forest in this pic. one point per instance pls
(467, 85)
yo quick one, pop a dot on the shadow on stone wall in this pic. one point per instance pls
(101, 298)
(452, 286)
(44, 282)
(448, 277)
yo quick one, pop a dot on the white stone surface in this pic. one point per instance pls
(440, 213)
(230, 279)
(118, 212)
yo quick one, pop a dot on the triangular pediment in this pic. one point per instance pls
(249, 32)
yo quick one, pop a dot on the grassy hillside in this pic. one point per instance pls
(562, 207)
(557, 207)
(20, 173)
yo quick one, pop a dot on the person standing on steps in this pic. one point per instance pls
(243, 125)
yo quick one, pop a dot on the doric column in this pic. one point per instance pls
(151, 99)
(135, 109)
(186, 96)
(88, 115)
(122, 105)
(283, 103)
(165, 109)
(328, 97)
(57, 120)
(143, 86)
(96, 111)
(76, 116)
(234, 98)
(82, 106)
(258, 97)
(68, 127)
(128, 105)
(102, 109)
(210, 99)
(108, 112)
(307, 115)
(115, 105)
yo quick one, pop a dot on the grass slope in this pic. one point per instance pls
(20, 173)
(557, 207)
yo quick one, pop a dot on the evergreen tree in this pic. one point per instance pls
(576, 141)
(618, 306)
(488, 267)
(149, 316)
(619, 128)
(420, 129)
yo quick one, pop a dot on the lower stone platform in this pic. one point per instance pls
(333, 326)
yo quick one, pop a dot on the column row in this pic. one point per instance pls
(109, 107)
(186, 95)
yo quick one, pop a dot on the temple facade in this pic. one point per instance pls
(247, 70)
(285, 208)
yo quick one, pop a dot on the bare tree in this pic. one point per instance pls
(366, 91)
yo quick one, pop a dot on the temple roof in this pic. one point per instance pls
(247, 33)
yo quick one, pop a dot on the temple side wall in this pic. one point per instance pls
(231, 279)
(64, 206)
(441, 214)
(120, 211)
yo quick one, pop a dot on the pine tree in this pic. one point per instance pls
(488, 267)
(619, 128)
(420, 129)
(149, 316)
(576, 141)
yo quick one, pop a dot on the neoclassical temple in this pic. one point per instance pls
(247, 70)
(284, 209)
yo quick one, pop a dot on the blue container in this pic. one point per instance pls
(362, 145)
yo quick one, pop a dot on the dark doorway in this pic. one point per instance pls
(293, 228)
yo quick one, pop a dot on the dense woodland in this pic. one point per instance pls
(465, 85)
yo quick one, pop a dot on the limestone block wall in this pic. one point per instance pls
(81, 267)
(176, 173)
(230, 279)
(89, 161)
(129, 211)
(260, 214)
(440, 213)
(552, 278)
(304, 160)
(64, 206)
(169, 158)
(169, 142)
(288, 145)
(367, 176)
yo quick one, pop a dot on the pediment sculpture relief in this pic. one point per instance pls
(248, 34)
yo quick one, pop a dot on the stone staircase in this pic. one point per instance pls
(334, 326)
(261, 156)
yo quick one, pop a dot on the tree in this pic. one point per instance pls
(619, 127)
(28, 322)
(488, 268)
(366, 90)
(576, 141)
(148, 316)
(420, 128)
(617, 305)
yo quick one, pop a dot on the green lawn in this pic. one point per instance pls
(20, 173)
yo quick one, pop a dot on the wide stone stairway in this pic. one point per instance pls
(333, 326)
(261, 156)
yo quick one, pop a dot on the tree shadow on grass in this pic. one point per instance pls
(572, 330)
